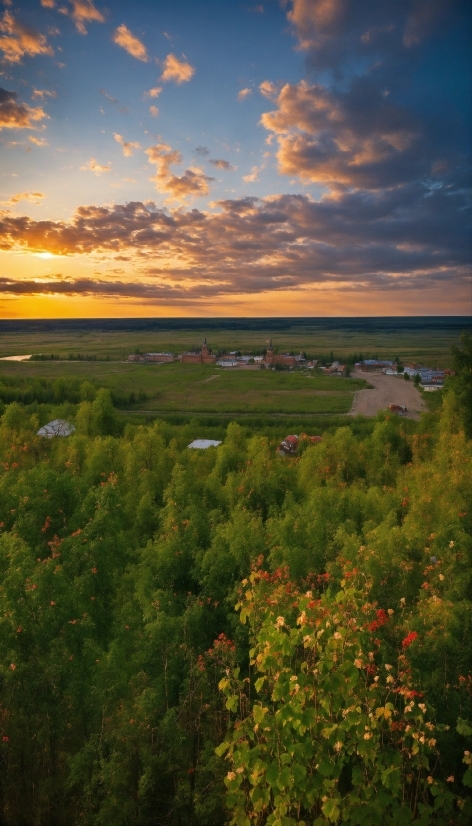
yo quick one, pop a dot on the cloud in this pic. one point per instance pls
(202, 150)
(123, 37)
(93, 166)
(357, 139)
(154, 93)
(193, 182)
(20, 40)
(219, 163)
(154, 111)
(31, 197)
(84, 11)
(252, 176)
(38, 141)
(43, 93)
(48, 4)
(127, 146)
(109, 97)
(15, 115)
(244, 93)
(177, 70)
(395, 240)
(268, 89)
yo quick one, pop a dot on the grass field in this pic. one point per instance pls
(431, 346)
(174, 388)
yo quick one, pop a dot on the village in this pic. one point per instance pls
(427, 378)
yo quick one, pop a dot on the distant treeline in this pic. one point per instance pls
(69, 357)
(28, 390)
(366, 325)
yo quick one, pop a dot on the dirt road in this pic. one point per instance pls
(386, 390)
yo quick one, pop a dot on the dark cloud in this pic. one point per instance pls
(219, 163)
(406, 237)
(14, 115)
(202, 150)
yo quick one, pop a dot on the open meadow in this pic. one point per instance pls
(424, 340)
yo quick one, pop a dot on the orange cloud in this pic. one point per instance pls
(244, 93)
(357, 139)
(127, 146)
(15, 115)
(354, 241)
(93, 166)
(38, 141)
(177, 70)
(192, 183)
(32, 197)
(131, 44)
(252, 176)
(268, 89)
(48, 4)
(20, 40)
(154, 111)
(154, 93)
(84, 11)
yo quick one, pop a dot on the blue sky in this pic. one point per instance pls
(204, 158)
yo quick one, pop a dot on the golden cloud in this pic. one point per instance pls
(32, 197)
(131, 44)
(38, 141)
(255, 245)
(127, 146)
(93, 166)
(176, 70)
(15, 115)
(333, 140)
(84, 11)
(20, 40)
(192, 183)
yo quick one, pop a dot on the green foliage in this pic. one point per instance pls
(121, 554)
(333, 732)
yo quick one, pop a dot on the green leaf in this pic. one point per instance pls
(331, 809)
(220, 750)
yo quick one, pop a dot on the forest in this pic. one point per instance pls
(229, 636)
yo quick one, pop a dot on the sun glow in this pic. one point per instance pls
(45, 255)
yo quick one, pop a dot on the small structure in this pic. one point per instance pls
(399, 409)
(203, 444)
(159, 357)
(288, 446)
(285, 359)
(227, 362)
(150, 358)
(203, 357)
(58, 427)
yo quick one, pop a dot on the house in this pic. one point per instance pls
(289, 445)
(203, 444)
(227, 362)
(285, 359)
(58, 427)
(203, 357)
(159, 357)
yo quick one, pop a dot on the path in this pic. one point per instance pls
(386, 390)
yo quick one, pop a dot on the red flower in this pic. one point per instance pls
(409, 639)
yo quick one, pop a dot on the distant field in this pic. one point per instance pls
(188, 388)
(425, 343)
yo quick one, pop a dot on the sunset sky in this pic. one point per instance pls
(224, 158)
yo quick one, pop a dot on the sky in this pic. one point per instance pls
(226, 158)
